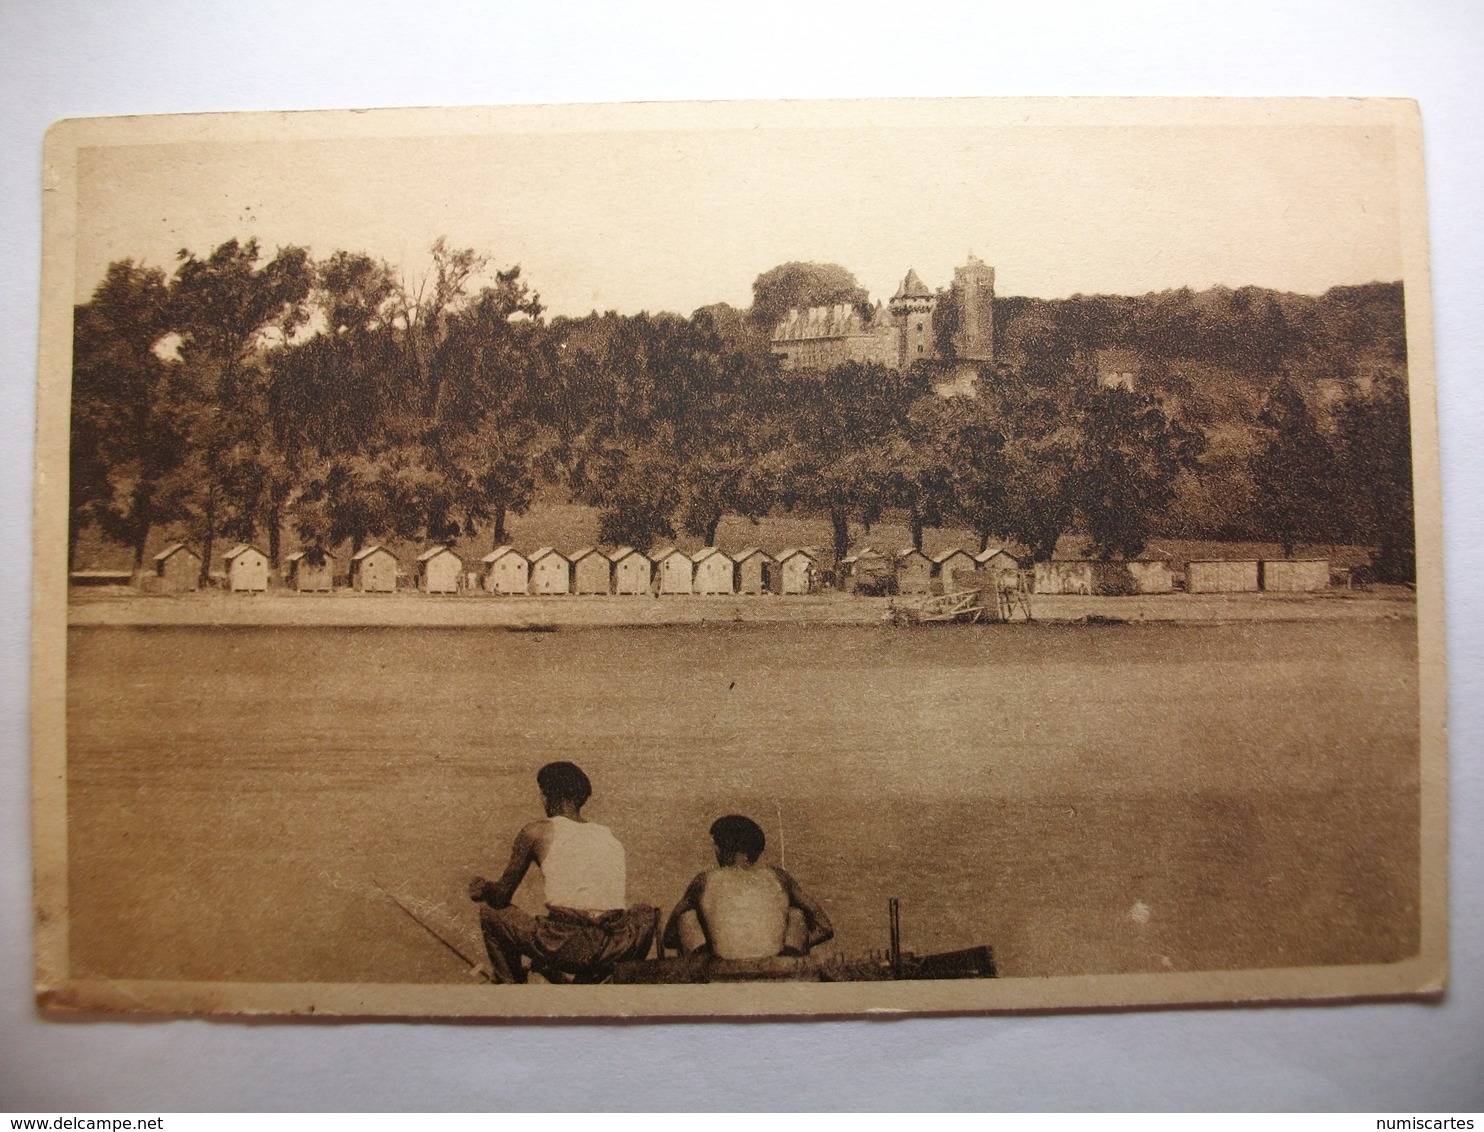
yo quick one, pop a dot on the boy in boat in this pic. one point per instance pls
(743, 910)
(587, 927)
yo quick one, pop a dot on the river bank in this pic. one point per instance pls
(348, 608)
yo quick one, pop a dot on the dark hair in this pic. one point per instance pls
(736, 834)
(564, 782)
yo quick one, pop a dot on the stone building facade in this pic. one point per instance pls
(824, 337)
(973, 288)
(894, 335)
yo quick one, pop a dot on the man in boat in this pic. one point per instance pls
(587, 927)
(744, 910)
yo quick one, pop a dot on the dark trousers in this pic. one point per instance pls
(584, 945)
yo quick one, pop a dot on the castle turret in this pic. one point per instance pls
(973, 290)
(912, 311)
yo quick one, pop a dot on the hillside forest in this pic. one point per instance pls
(326, 403)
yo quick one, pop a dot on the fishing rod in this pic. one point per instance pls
(782, 844)
(474, 968)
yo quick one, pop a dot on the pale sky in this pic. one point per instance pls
(671, 219)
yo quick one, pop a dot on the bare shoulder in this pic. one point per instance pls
(536, 834)
(796, 893)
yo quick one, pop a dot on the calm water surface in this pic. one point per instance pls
(1086, 799)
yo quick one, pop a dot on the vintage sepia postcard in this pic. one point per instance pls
(738, 559)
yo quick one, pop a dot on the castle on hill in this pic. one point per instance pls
(898, 333)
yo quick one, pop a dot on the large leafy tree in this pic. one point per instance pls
(718, 418)
(837, 452)
(127, 427)
(470, 360)
(1038, 486)
(1128, 462)
(333, 395)
(1031, 482)
(722, 478)
(1374, 440)
(976, 468)
(928, 456)
(232, 309)
(333, 390)
(353, 499)
(1293, 470)
(676, 391)
(483, 441)
(637, 491)
(802, 285)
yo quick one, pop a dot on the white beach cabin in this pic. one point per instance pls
(247, 569)
(551, 572)
(715, 572)
(676, 571)
(506, 571)
(633, 572)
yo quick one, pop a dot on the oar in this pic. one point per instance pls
(474, 968)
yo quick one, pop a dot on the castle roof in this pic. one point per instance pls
(834, 321)
(912, 287)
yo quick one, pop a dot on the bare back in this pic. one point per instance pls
(745, 912)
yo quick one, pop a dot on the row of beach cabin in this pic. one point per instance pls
(752, 570)
(1154, 576)
(505, 570)
(913, 572)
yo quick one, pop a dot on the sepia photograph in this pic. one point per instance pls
(755, 558)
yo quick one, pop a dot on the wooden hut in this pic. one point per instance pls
(1151, 575)
(506, 571)
(177, 569)
(1065, 576)
(867, 572)
(551, 572)
(1001, 563)
(439, 570)
(754, 571)
(246, 569)
(633, 572)
(676, 571)
(914, 571)
(373, 570)
(592, 571)
(311, 571)
(948, 564)
(1294, 575)
(1221, 576)
(796, 571)
(715, 572)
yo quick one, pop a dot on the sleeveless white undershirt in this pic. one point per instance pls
(745, 912)
(583, 867)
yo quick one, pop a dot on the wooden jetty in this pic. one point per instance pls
(963, 607)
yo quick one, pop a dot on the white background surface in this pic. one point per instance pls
(76, 59)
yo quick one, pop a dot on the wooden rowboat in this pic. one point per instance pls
(969, 963)
(892, 965)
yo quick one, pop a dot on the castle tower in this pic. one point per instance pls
(912, 311)
(973, 288)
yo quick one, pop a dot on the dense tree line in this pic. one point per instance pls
(253, 396)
